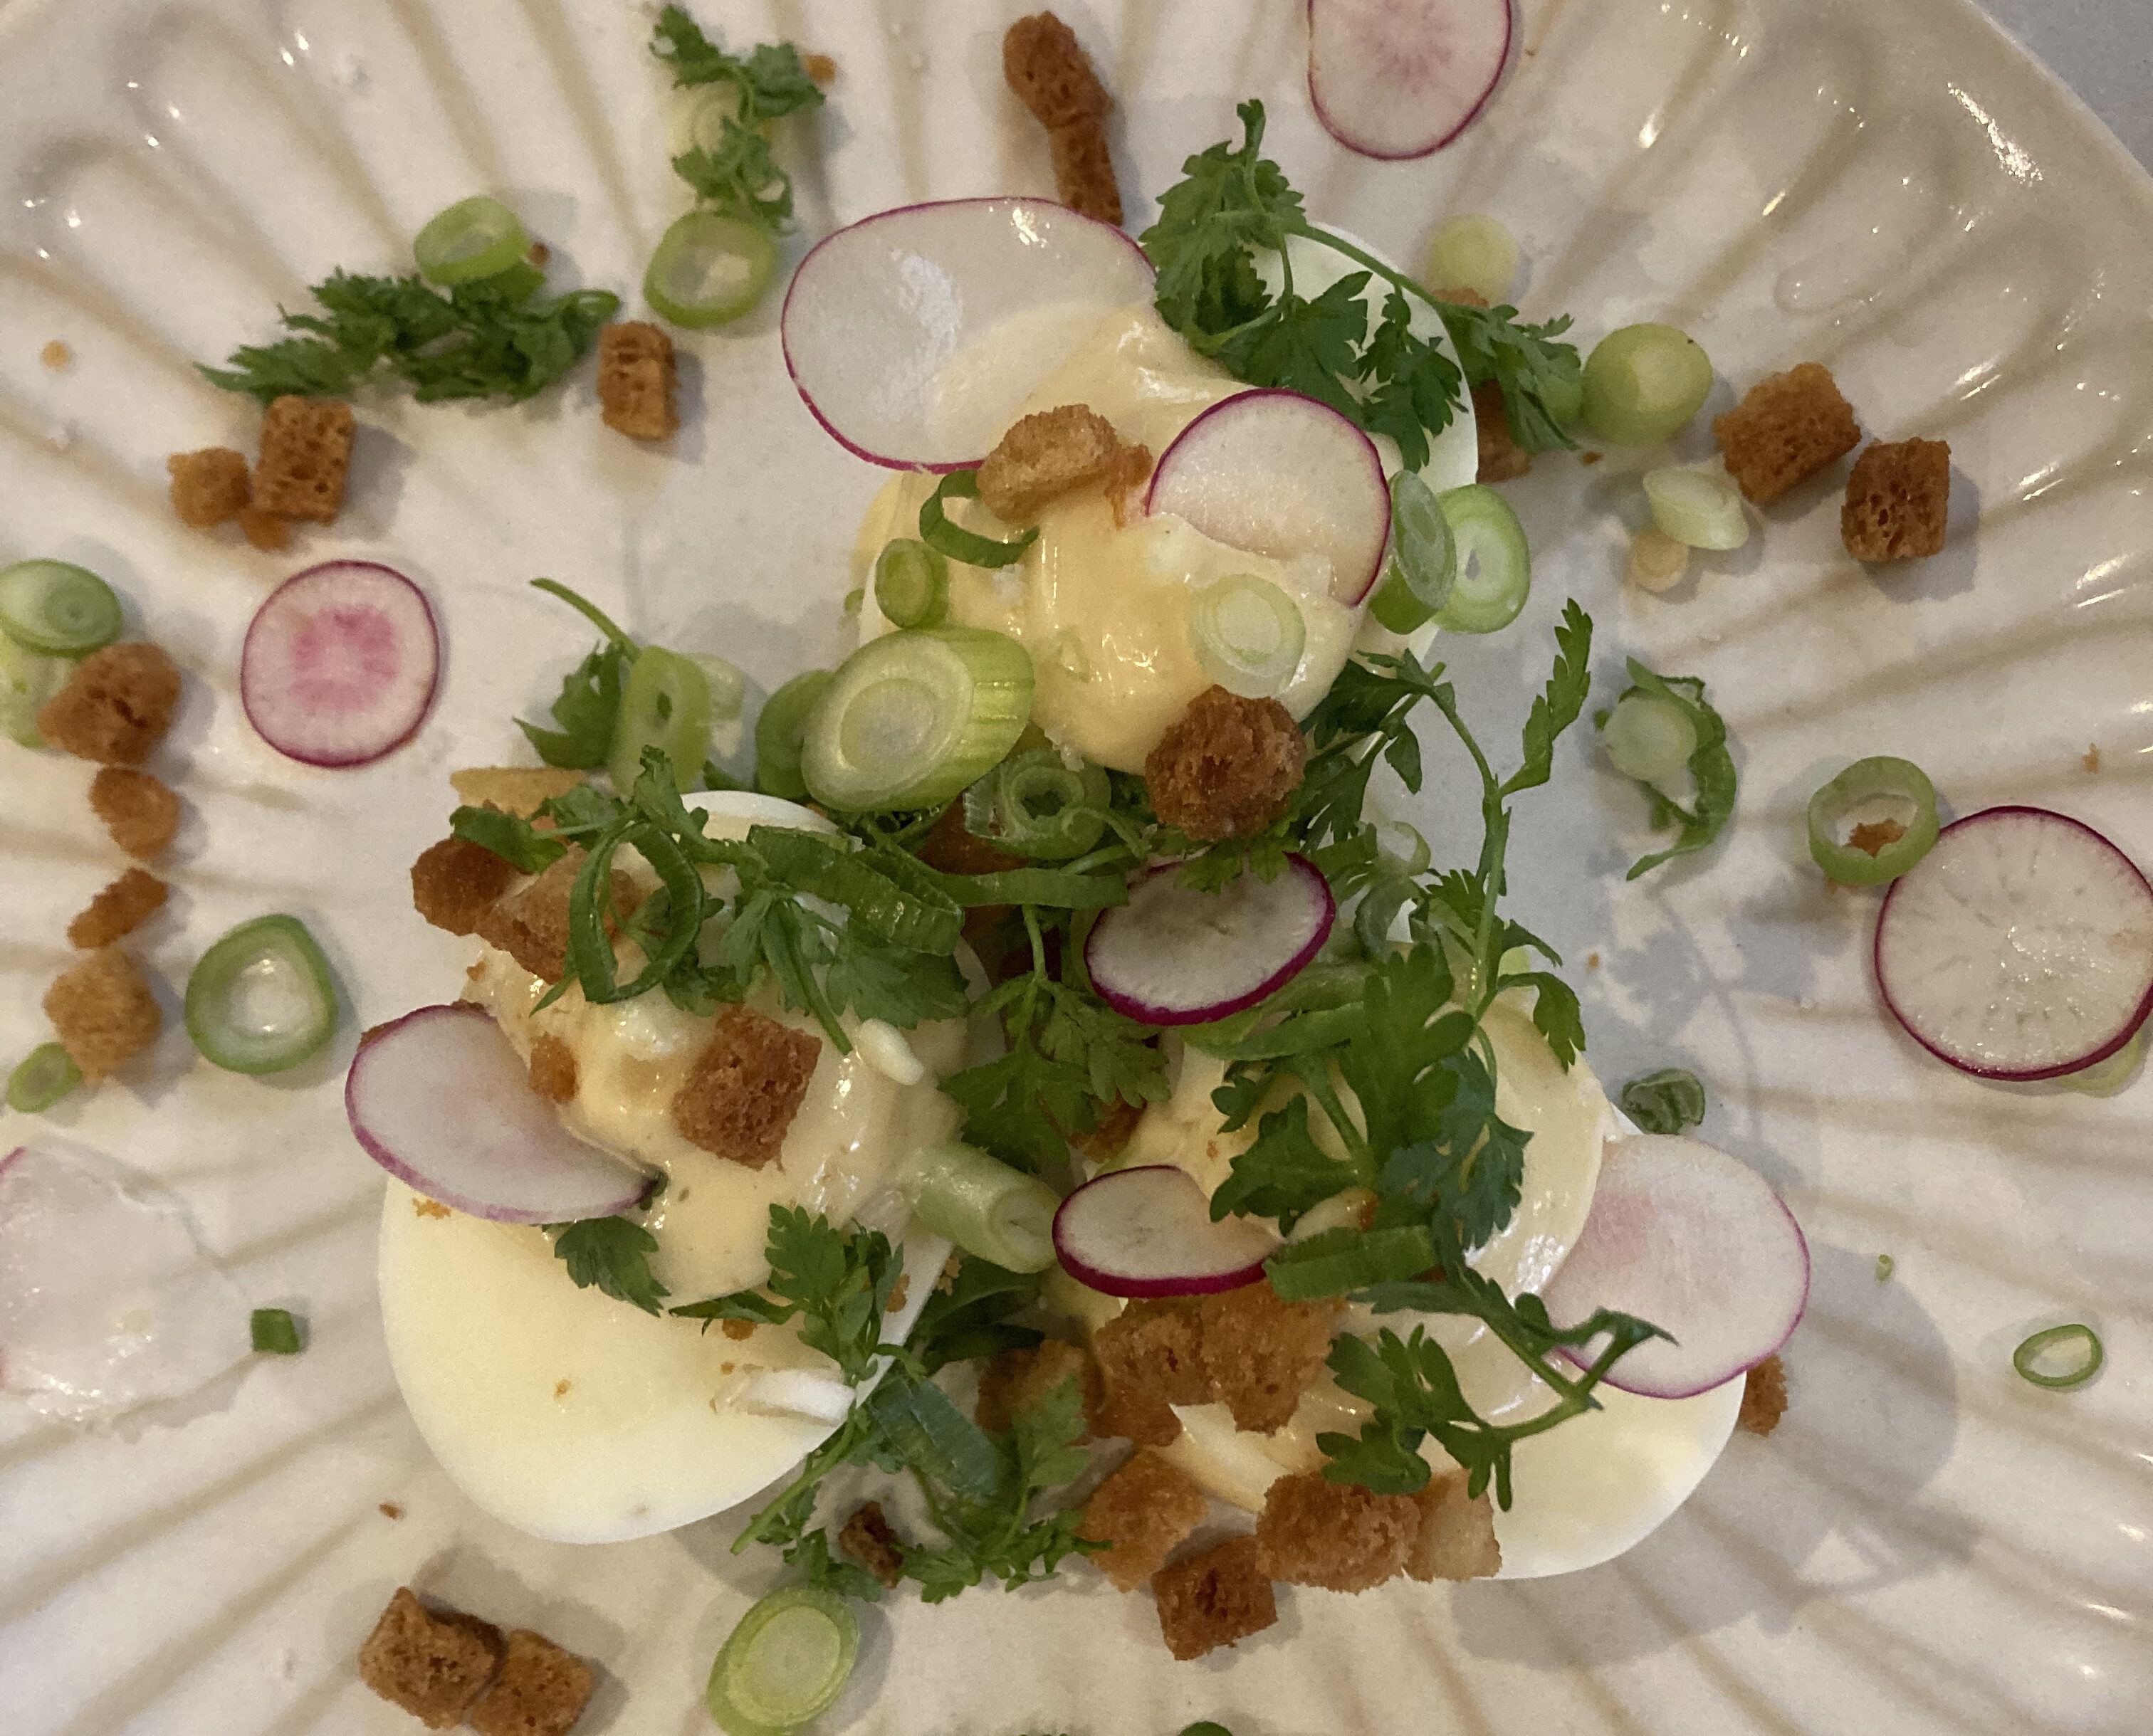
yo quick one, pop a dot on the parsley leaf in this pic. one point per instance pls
(737, 177)
(970, 1320)
(1668, 1100)
(837, 1286)
(612, 1255)
(1711, 769)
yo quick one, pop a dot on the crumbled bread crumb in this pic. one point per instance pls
(208, 486)
(540, 1691)
(265, 531)
(102, 1011)
(561, 1389)
(1014, 1381)
(1142, 1513)
(116, 706)
(1590, 457)
(1460, 296)
(1897, 500)
(1456, 1539)
(1592, 961)
(1118, 1126)
(1047, 68)
(820, 68)
(636, 374)
(306, 456)
(869, 1539)
(454, 883)
(1213, 1599)
(1871, 835)
(519, 789)
(2091, 761)
(1261, 1354)
(1763, 1397)
(1131, 1413)
(739, 1331)
(530, 924)
(423, 1207)
(1044, 456)
(433, 1666)
(552, 1068)
(898, 1294)
(1226, 768)
(119, 909)
(139, 810)
(1339, 1535)
(1787, 427)
(389, 1510)
(540, 255)
(1501, 458)
(745, 1087)
(1131, 470)
(1157, 1344)
(55, 355)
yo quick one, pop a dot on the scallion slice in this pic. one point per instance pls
(778, 729)
(954, 541)
(1666, 1101)
(1494, 561)
(982, 1204)
(666, 703)
(1910, 826)
(728, 686)
(274, 1332)
(911, 583)
(474, 238)
(1657, 561)
(261, 999)
(911, 718)
(26, 682)
(709, 269)
(1032, 804)
(1643, 383)
(2035, 1359)
(1697, 508)
(2104, 1078)
(1423, 558)
(1476, 252)
(786, 1663)
(1247, 635)
(41, 1079)
(57, 609)
(1649, 739)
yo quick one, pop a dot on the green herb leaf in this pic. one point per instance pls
(612, 1255)
(837, 1284)
(1710, 767)
(509, 836)
(738, 177)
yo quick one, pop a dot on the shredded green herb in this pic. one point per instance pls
(274, 1332)
(737, 177)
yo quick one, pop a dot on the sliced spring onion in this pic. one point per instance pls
(1643, 383)
(57, 609)
(1494, 561)
(1474, 251)
(274, 1332)
(2036, 1358)
(1885, 1266)
(1697, 508)
(26, 682)
(666, 704)
(728, 686)
(954, 541)
(1423, 557)
(778, 728)
(1907, 834)
(911, 583)
(854, 597)
(1207, 1728)
(1247, 635)
(786, 1663)
(1666, 1101)
(1337, 1261)
(1032, 804)
(1649, 739)
(982, 1204)
(474, 238)
(261, 999)
(41, 1079)
(709, 269)
(2104, 1078)
(1657, 561)
(911, 718)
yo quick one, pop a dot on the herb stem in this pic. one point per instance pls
(589, 610)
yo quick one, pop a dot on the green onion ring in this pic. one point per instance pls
(41, 1079)
(2024, 1357)
(1868, 780)
(778, 727)
(474, 238)
(954, 540)
(262, 998)
(982, 1204)
(708, 269)
(1032, 805)
(1423, 562)
(911, 583)
(57, 609)
(785, 1664)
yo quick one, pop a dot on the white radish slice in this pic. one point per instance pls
(1277, 473)
(1174, 957)
(1148, 1231)
(340, 663)
(1396, 78)
(1684, 1236)
(2019, 947)
(914, 335)
(439, 1100)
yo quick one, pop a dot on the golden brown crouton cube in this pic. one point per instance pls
(116, 706)
(138, 810)
(540, 1691)
(433, 1666)
(1132, 1413)
(1787, 427)
(636, 377)
(1213, 1599)
(1084, 170)
(1142, 1512)
(454, 883)
(1456, 1535)
(208, 486)
(530, 924)
(1261, 1354)
(872, 1540)
(1896, 500)
(305, 454)
(1339, 1535)
(119, 909)
(265, 531)
(519, 789)
(1051, 75)
(1226, 768)
(1157, 1344)
(102, 1011)
(1015, 1381)
(552, 1068)
(1044, 456)
(1763, 1397)
(745, 1087)
(1501, 458)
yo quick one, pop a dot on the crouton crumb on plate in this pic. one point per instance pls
(1215, 1598)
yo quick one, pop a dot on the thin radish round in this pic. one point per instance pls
(914, 335)
(439, 1099)
(1279, 475)
(1175, 956)
(340, 663)
(1396, 78)
(1148, 1231)
(2019, 947)
(1681, 1235)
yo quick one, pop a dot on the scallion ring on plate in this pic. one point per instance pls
(1472, 251)
(1649, 739)
(982, 1204)
(1494, 561)
(55, 608)
(1423, 563)
(1247, 635)
(665, 704)
(41, 1079)
(954, 541)
(1643, 383)
(778, 728)
(27, 681)
(1882, 849)
(1698, 509)
(261, 999)
(785, 1664)
(2035, 1359)
(474, 238)
(911, 583)
(708, 269)
(728, 686)
(1033, 806)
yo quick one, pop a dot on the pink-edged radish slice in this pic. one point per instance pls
(914, 335)
(1684, 1236)
(439, 1100)
(1175, 956)
(2019, 947)
(1394, 78)
(1148, 1231)
(340, 663)
(1279, 475)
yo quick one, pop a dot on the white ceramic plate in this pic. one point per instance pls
(1928, 1544)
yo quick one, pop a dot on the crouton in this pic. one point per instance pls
(1157, 1345)
(1787, 427)
(433, 1666)
(1261, 1354)
(102, 1011)
(1213, 1599)
(872, 1540)
(1048, 70)
(1763, 1397)
(820, 68)
(1462, 297)
(56, 355)
(454, 883)
(1226, 768)
(1118, 1123)
(745, 1087)
(1084, 170)
(1044, 456)
(1895, 501)
(636, 377)
(1015, 1381)
(1131, 1413)
(1131, 470)
(552, 1068)
(138, 810)
(1456, 1537)
(1141, 1513)
(1871, 836)
(540, 1691)
(530, 924)
(119, 909)
(519, 789)
(305, 454)
(208, 486)
(1340, 1536)
(950, 846)
(116, 706)
(265, 531)
(1501, 458)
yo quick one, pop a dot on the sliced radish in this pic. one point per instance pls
(1148, 1231)
(1683, 1235)
(1279, 475)
(340, 663)
(1402, 77)
(439, 1100)
(2020, 947)
(1174, 957)
(914, 335)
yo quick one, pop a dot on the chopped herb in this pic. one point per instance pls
(274, 1332)
(1711, 767)
(737, 177)
(837, 1286)
(611, 1255)
(1667, 1101)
